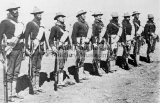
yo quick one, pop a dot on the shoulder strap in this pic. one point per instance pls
(115, 25)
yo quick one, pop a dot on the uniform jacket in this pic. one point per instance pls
(137, 24)
(127, 30)
(80, 29)
(96, 30)
(149, 28)
(56, 34)
(112, 29)
(32, 29)
(8, 28)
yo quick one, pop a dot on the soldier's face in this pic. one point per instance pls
(98, 17)
(38, 16)
(136, 16)
(61, 19)
(128, 18)
(14, 12)
(83, 16)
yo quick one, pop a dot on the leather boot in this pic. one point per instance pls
(14, 93)
(10, 99)
(60, 78)
(38, 89)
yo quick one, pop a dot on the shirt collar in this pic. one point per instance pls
(37, 21)
(9, 16)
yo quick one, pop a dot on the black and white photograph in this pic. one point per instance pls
(80, 51)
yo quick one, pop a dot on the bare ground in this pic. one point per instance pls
(138, 85)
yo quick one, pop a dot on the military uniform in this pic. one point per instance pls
(97, 50)
(79, 33)
(126, 38)
(138, 39)
(14, 58)
(150, 36)
(113, 34)
(55, 40)
(32, 30)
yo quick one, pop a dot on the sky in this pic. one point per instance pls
(71, 7)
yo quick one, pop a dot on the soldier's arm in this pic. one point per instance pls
(27, 33)
(146, 29)
(2, 31)
(51, 36)
(93, 32)
(74, 33)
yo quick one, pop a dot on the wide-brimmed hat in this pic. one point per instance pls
(80, 13)
(59, 14)
(114, 14)
(135, 12)
(150, 16)
(97, 13)
(126, 15)
(12, 6)
(36, 11)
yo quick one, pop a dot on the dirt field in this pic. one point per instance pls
(138, 85)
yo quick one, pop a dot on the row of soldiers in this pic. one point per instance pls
(127, 33)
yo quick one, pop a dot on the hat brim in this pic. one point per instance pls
(81, 14)
(135, 14)
(127, 16)
(97, 14)
(40, 12)
(55, 18)
(12, 8)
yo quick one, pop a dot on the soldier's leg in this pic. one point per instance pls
(37, 73)
(95, 61)
(148, 53)
(135, 53)
(76, 73)
(10, 71)
(18, 61)
(34, 60)
(61, 66)
(82, 58)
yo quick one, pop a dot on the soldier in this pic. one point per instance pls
(35, 31)
(113, 33)
(79, 34)
(56, 43)
(138, 38)
(150, 36)
(126, 38)
(13, 30)
(96, 30)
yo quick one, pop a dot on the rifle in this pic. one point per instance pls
(4, 62)
(5, 78)
(56, 67)
(30, 71)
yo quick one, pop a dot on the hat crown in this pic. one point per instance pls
(81, 12)
(97, 12)
(59, 13)
(150, 16)
(114, 14)
(12, 6)
(126, 14)
(36, 9)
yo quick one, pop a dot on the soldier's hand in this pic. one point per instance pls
(54, 49)
(1, 58)
(94, 45)
(28, 52)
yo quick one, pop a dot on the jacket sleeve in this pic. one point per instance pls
(27, 33)
(146, 29)
(2, 31)
(51, 36)
(93, 32)
(74, 33)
